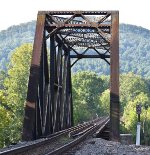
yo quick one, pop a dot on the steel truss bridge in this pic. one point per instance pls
(61, 39)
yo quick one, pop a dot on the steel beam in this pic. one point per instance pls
(75, 12)
(52, 77)
(46, 112)
(114, 78)
(71, 121)
(30, 106)
(64, 85)
(80, 56)
(58, 85)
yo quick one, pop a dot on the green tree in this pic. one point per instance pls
(15, 89)
(87, 86)
(130, 116)
(105, 103)
(131, 85)
(5, 120)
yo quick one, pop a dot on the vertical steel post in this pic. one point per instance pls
(58, 87)
(40, 102)
(29, 118)
(67, 113)
(45, 82)
(52, 76)
(63, 97)
(70, 95)
(60, 83)
(114, 78)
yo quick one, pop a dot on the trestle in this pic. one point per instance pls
(61, 39)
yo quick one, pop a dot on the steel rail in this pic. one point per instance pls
(80, 139)
(49, 139)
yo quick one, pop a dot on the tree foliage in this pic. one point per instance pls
(87, 86)
(14, 94)
(104, 101)
(131, 85)
(134, 91)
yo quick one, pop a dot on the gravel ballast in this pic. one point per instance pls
(98, 146)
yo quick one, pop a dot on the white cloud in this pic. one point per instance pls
(13, 12)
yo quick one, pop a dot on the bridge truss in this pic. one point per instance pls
(62, 38)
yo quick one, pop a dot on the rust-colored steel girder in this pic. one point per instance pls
(114, 78)
(70, 36)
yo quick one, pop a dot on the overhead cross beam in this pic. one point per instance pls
(60, 37)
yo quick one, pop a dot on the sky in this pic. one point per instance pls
(14, 12)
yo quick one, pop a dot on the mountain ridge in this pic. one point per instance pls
(134, 48)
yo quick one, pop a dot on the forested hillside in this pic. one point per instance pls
(134, 49)
(14, 37)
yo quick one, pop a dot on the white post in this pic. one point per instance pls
(138, 134)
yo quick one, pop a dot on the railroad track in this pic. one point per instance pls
(59, 142)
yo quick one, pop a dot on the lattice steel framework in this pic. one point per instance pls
(61, 36)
